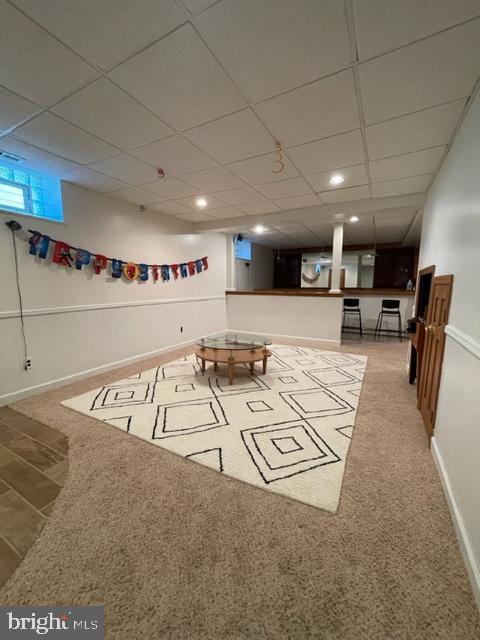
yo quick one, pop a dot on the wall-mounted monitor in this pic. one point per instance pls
(243, 249)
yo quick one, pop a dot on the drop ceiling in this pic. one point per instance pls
(104, 93)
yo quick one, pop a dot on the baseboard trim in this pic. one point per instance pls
(462, 534)
(13, 396)
(281, 335)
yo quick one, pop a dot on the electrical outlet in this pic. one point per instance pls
(181, 329)
(28, 364)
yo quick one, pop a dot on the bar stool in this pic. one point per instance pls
(352, 306)
(390, 308)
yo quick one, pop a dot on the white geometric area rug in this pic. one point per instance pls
(287, 432)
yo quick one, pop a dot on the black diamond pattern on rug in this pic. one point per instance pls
(287, 449)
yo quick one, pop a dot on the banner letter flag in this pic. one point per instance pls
(165, 272)
(82, 258)
(34, 241)
(143, 272)
(99, 263)
(61, 254)
(40, 242)
(130, 270)
(117, 268)
(39, 245)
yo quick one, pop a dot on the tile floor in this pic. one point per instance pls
(33, 466)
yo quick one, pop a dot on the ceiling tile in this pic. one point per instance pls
(257, 208)
(171, 208)
(285, 188)
(14, 109)
(260, 169)
(296, 202)
(197, 6)
(171, 188)
(212, 203)
(425, 74)
(136, 195)
(382, 26)
(180, 80)
(345, 195)
(245, 195)
(195, 216)
(233, 137)
(224, 213)
(126, 168)
(399, 187)
(410, 164)
(106, 32)
(353, 176)
(391, 234)
(421, 130)
(318, 110)
(214, 179)
(93, 180)
(175, 155)
(37, 159)
(290, 226)
(343, 150)
(34, 64)
(393, 217)
(57, 136)
(111, 114)
(270, 47)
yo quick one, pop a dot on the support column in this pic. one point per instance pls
(337, 257)
(359, 271)
(231, 263)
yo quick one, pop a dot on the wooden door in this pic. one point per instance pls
(438, 308)
(342, 278)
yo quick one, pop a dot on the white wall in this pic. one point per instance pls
(315, 317)
(451, 241)
(259, 273)
(77, 321)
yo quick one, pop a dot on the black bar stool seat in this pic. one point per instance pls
(352, 306)
(390, 308)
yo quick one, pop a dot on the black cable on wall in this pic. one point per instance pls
(13, 225)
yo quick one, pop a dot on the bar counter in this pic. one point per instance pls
(311, 313)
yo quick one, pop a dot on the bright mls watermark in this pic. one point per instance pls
(24, 623)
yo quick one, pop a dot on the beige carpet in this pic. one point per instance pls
(174, 550)
(288, 431)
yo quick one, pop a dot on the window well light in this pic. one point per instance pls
(259, 228)
(354, 219)
(336, 179)
(201, 202)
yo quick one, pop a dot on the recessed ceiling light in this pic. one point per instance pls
(259, 228)
(201, 202)
(336, 179)
(354, 219)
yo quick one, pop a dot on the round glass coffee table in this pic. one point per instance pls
(233, 348)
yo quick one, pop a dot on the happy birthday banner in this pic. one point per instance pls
(62, 255)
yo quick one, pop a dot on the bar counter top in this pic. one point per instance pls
(318, 293)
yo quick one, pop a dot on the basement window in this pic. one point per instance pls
(30, 193)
